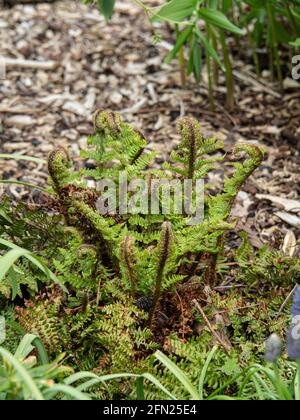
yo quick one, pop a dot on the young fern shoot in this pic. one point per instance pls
(165, 247)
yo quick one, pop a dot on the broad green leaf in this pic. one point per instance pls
(25, 347)
(227, 5)
(7, 260)
(181, 40)
(140, 391)
(176, 10)
(210, 49)
(23, 374)
(106, 8)
(296, 43)
(197, 60)
(217, 18)
(27, 344)
(13, 282)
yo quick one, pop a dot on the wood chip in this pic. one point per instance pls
(291, 219)
(284, 203)
(289, 243)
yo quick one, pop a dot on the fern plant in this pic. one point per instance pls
(116, 266)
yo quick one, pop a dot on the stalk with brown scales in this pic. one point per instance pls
(187, 127)
(166, 240)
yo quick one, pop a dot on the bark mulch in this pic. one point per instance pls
(66, 61)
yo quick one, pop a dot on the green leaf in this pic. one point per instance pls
(14, 282)
(5, 216)
(7, 260)
(178, 373)
(140, 392)
(296, 43)
(217, 18)
(23, 373)
(181, 40)
(176, 10)
(156, 382)
(210, 49)
(197, 60)
(227, 5)
(41, 265)
(106, 8)
(204, 371)
(25, 347)
(27, 344)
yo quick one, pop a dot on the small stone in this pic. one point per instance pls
(20, 121)
(116, 98)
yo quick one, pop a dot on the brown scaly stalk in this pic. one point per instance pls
(129, 261)
(58, 168)
(187, 127)
(166, 240)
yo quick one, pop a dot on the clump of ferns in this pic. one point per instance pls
(145, 260)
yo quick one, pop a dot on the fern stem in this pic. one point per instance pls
(187, 128)
(164, 252)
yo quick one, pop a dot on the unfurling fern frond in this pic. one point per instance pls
(190, 156)
(220, 205)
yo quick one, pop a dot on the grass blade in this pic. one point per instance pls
(181, 376)
(23, 373)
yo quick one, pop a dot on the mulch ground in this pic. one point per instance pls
(116, 66)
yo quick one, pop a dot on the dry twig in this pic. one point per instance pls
(225, 346)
